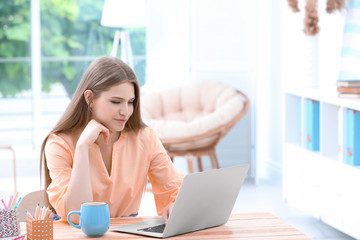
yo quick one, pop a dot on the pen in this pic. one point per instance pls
(11, 198)
(2, 200)
(17, 203)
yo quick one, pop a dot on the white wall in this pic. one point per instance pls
(311, 60)
(268, 88)
(329, 47)
(167, 44)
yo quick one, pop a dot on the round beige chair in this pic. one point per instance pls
(191, 120)
(29, 203)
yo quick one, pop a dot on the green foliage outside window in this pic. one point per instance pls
(14, 42)
(71, 37)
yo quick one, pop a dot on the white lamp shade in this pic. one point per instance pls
(124, 13)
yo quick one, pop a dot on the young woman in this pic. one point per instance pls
(100, 150)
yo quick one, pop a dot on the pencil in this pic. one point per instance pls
(22, 237)
(46, 214)
(14, 200)
(42, 213)
(37, 212)
(29, 214)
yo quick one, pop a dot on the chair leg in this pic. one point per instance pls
(214, 161)
(14, 168)
(190, 165)
(200, 166)
(14, 164)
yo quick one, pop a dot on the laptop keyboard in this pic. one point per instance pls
(156, 229)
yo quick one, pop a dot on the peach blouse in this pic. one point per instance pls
(136, 156)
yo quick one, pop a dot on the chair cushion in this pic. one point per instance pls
(190, 111)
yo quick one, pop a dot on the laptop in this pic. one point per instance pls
(205, 200)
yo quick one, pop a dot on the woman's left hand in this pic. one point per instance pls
(167, 212)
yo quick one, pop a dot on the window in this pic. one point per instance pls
(71, 37)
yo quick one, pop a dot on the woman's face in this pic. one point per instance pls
(114, 107)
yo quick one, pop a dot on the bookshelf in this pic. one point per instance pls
(321, 183)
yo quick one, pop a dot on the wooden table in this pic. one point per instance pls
(240, 226)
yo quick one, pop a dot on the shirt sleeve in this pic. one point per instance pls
(59, 162)
(164, 177)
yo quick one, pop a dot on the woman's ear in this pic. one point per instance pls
(88, 95)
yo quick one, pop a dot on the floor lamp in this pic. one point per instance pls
(123, 14)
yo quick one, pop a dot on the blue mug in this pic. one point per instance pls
(94, 218)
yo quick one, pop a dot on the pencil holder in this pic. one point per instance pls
(39, 229)
(9, 224)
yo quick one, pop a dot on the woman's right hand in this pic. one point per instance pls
(92, 131)
(80, 189)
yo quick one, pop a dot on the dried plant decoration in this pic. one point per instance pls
(330, 6)
(293, 4)
(333, 5)
(311, 18)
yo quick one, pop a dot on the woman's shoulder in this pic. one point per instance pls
(63, 139)
(56, 138)
(59, 151)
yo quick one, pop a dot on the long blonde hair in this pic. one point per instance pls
(101, 74)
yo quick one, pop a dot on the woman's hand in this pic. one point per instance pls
(92, 131)
(167, 212)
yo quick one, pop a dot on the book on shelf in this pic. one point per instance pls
(348, 83)
(348, 89)
(353, 137)
(312, 125)
(349, 95)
